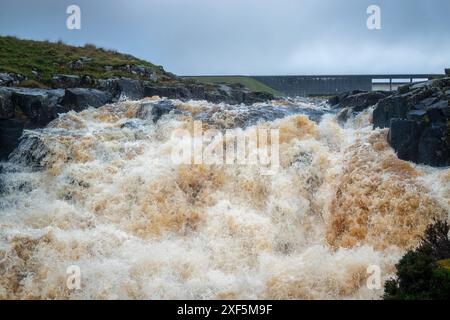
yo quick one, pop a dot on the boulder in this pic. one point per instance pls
(31, 151)
(76, 65)
(10, 79)
(434, 146)
(334, 100)
(38, 106)
(122, 88)
(438, 113)
(389, 108)
(10, 133)
(419, 122)
(171, 92)
(129, 89)
(7, 110)
(81, 98)
(65, 81)
(404, 138)
(362, 100)
(155, 110)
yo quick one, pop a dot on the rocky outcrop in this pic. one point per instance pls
(79, 98)
(155, 110)
(418, 118)
(357, 100)
(35, 107)
(10, 79)
(417, 115)
(10, 132)
(351, 103)
(24, 108)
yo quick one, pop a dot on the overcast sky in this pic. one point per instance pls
(250, 37)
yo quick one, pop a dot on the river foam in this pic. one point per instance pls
(97, 189)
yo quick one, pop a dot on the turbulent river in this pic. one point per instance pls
(98, 190)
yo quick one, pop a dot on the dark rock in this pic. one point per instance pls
(31, 151)
(81, 98)
(76, 65)
(361, 101)
(11, 79)
(343, 116)
(129, 89)
(10, 132)
(447, 72)
(429, 101)
(7, 110)
(438, 112)
(161, 108)
(417, 115)
(37, 105)
(434, 146)
(404, 88)
(332, 101)
(87, 81)
(65, 81)
(419, 122)
(122, 88)
(154, 110)
(161, 91)
(389, 108)
(404, 138)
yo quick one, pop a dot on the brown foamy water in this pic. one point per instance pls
(104, 195)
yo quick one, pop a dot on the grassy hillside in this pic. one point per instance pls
(47, 58)
(39, 61)
(248, 82)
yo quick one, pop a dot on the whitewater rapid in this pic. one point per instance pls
(97, 189)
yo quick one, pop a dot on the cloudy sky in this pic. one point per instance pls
(250, 37)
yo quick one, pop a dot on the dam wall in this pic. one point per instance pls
(334, 84)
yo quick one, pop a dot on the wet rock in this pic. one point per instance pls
(404, 138)
(418, 122)
(122, 88)
(65, 81)
(389, 108)
(10, 79)
(129, 89)
(155, 110)
(10, 132)
(361, 101)
(7, 110)
(434, 146)
(81, 98)
(171, 92)
(438, 113)
(343, 116)
(333, 101)
(38, 106)
(417, 115)
(31, 151)
(161, 108)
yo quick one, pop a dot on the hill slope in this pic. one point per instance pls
(248, 82)
(40, 60)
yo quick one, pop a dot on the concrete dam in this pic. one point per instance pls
(313, 85)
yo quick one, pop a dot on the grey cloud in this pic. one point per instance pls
(251, 36)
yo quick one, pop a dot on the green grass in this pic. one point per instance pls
(248, 82)
(22, 56)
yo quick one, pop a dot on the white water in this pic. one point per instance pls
(109, 199)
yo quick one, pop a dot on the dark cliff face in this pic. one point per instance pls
(418, 118)
(29, 108)
(417, 115)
